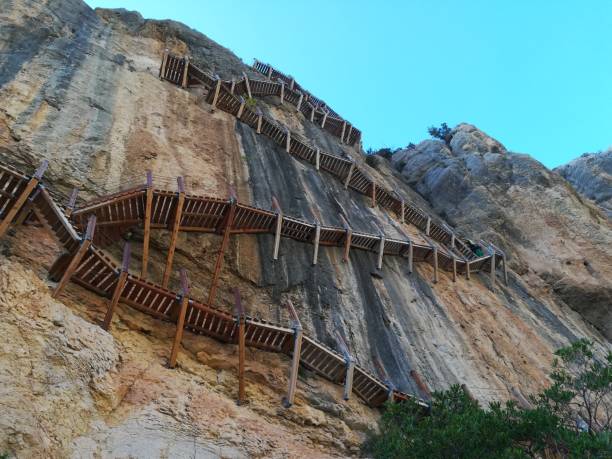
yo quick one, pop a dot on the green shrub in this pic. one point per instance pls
(442, 132)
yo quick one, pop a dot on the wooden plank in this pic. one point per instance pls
(147, 226)
(317, 238)
(295, 359)
(78, 256)
(241, 316)
(22, 198)
(178, 213)
(227, 226)
(279, 226)
(121, 281)
(180, 323)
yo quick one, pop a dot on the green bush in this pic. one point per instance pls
(458, 427)
(442, 132)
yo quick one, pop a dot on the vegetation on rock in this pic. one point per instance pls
(442, 132)
(572, 418)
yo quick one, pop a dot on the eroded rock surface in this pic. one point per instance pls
(84, 93)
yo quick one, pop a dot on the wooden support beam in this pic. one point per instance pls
(217, 92)
(247, 84)
(288, 142)
(403, 212)
(492, 266)
(381, 251)
(269, 72)
(226, 227)
(78, 256)
(259, 120)
(295, 359)
(312, 113)
(342, 134)
(454, 267)
(27, 209)
(467, 269)
(420, 384)
(71, 202)
(317, 158)
(300, 100)
(452, 240)
(505, 269)
(119, 286)
(349, 175)
(325, 113)
(435, 266)
(428, 227)
(347, 238)
(317, 238)
(282, 91)
(348, 135)
(241, 319)
(178, 213)
(279, 227)
(233, 85)
(180, 322)
(292, 84)
(22, 198)
(164, 63)
(147, 225)
(241, 108)
(348, 378)
(185, 72)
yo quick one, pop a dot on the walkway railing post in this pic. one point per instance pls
(373, 194)
(295, 359)
(178, 213)
(347, 180)
(185, 79)
(282, 91)
(119, 286)
(147, 225)
(299, 104)
(342, 134)
(241, 108)
(317, 238)
(247, 84)
(410, 256)
(71, 202)
(164, 62)
(22, 198)
(288, 142)
(217, 92)
(350, 367)
(381, 251)
(317, 158)
(241, 319)
(78, 256)
(180, 322)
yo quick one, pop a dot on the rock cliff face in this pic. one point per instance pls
(591, 175)
(80, 88)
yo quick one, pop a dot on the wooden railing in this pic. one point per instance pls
(92, 268)
(220, 96)
(183, 72)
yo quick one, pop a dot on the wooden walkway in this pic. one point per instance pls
(92, 268)
(223, 96)
(184, 73)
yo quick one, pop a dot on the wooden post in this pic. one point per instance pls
(452, 240)
(178, 213)
(78, 256)
(492, 265)
(241, 108)
(348, 378)
(467, 269)
(217, 91)
(316, 242)
(180, 323)
(28, 209)
(226, 227)
(185, 72)
(428, 227)
(162, 69)
(147, 225)
(241, 319)
(291, 84)
(269, 72)
(312, 113)
(22, 198)
(343, 129)
(349, 175)
(403, 212)
(347, 239)
(259, 120)
(288, 143)
(119, 286)
(299, 104)
(381, 251)
(454, 267)
(505, 269)
(317, 158)
(295, 359)
(247, 84)
(71, 203)
(279, 227)
(282, 91)
(233, 85)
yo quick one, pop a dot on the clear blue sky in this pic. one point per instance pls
(536, 75)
